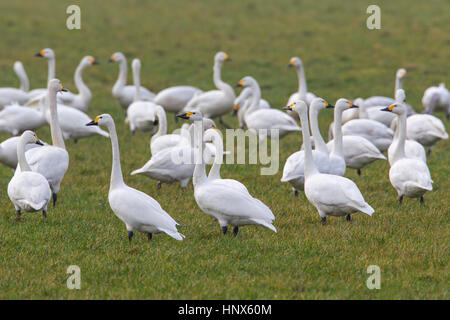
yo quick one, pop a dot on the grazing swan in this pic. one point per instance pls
(409, 176)
(302, 93)
(374, 131)
(51, 161)
(136, 209)
(29, 191)
(215, 103)
(8, 151)
(83, 98)
(294, 168)
(48, 54)
(125, 94)
(261, 121)
(437, 98)
(224, 202)
(331, 195)
(243, 101)
(140, 113)
(174, 99)
(15, 119)
(22, 75)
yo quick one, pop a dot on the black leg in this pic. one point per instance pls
(324, 221)
(75, 140)
(132, 132)
(55, 197)
(224, 230)
(422, 200)
(44, 213)
(359, 172)
(236, 230)
(158, 185)
(296, 192)
(130, 235)
(18, 213)
(223, 123)
(149, 236)
(400, 200)
(429, 151)
(348, 217)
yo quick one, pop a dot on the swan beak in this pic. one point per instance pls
(111, 59)
(290, 64)
(239, 84)
(227, 58)
(93, 122)
(39, 142)
(329, 106)
(39, 54)
(235, 110)
(93, 61)
(389, 108)
(287, 108)
(186, 115)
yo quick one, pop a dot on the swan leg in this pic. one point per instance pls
(75, 141)
(296, 192)
(130, 235)
(224, 230)
(348, 217)
(44, 213)
(400, 200)
(429, 151)
(158, 185)
(55, 197)
(18, 216)
(359, 172)
(422, 200)
(149, 236)
(236, 230)
(223, 123)
(324, 221)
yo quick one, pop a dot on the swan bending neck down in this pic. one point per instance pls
(136, 209)
(223, 201)
(330, 194)
(409, 176)
(29, 191)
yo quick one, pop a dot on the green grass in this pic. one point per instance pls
(176, 41)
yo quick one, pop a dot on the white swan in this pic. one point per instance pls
(331, 195)
(14, 95)
(294, 168)
(22, 75)
(29, 191)
(140, 113)
(436, 99)
(136, 209)
(400, 75)
(51, 161)
(410, 177)
(83, 98)
(302, 93)
(125, 94)
(243, 101)
(225, 203)
(174, 99)
(15, 119)
(215, 103)
(8, 151)
(48, 54)
(262, 121)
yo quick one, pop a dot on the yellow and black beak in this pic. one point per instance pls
(388, 108)
(40, 54)
(235, 110)
(352, 105)
(186, 115)
(291, 64)
(111, 59)
(39, 142)
(93, 61)
(289, 107)
(227, 58)
(93, 122)
(63, 89)
(240, 84)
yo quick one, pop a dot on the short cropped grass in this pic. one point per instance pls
(176, 41)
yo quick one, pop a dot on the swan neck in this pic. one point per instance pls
(83, 90)
(319, 143)
(338, 148)
(398, 84)
(23, 164)
(55, 129)
(116, 170)
(23, 77)
(137, 83)
(255, 98)
(51, 69)
(217, 77)
(310, 167)
(302, 86)
(122, 78)
(214, 172)
(162, 126)
(200, 169)
(399, 151)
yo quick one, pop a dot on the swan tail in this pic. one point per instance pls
(266, 224)
(39, 205)
(174, 234)
(137, 171)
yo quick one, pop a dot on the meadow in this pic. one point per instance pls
(176, 41)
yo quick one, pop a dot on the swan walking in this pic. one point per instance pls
(51, 161)
(409, 176)
(125, 94)
(29, 191)
(302, 92)
(215, 103)
(224, 202)
(136, 209)
(331, 195)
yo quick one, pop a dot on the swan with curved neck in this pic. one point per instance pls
(29, 191)
(302, 92)
(330, 194)
(262, 121)
(225, 203)
(243, 101)
(410, 177)
(136, 209)
(22, 75)
(215, 103)
(16, 95)
(49, 55)
(125, 94)
(51, 161)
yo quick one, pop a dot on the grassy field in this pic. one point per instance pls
(176, 41)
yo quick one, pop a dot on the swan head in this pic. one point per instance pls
(136, 64)
(29, 137)
(295, 62)
(88, 61)
(319, 104)
(397, 108)
(209, 124)
(344, 104)
(401, 73)
(101, 120)
(55, 85)
(192, 116)
(400, 95)
(117, 57)
(46, 53)
(246, 82)
(221, 57)
(298, 106)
